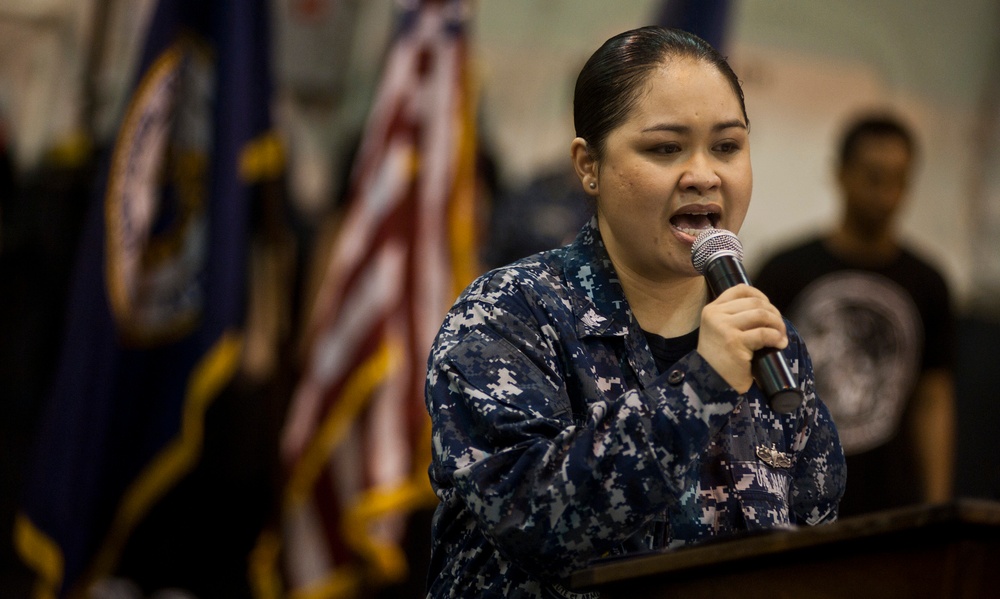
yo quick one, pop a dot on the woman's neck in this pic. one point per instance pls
(668, 308)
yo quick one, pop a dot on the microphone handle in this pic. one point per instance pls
(768, 366)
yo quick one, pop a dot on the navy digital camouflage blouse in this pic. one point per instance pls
(556, 440)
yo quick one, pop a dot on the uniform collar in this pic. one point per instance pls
(599, 302)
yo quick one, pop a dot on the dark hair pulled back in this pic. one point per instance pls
(610, 83)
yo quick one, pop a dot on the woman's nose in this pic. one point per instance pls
(699, 174)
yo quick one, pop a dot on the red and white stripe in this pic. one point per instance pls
(389, 281)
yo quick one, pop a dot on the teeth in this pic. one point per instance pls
(694, 232)
(693, 223)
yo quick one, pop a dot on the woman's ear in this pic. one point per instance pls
(585, 165)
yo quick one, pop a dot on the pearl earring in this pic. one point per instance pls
(593, 185)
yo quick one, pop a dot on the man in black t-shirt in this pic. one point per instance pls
(878, 323)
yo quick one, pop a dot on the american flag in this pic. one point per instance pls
(356, 442)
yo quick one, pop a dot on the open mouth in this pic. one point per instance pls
(693, 223)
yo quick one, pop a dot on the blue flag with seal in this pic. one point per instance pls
(158, 297)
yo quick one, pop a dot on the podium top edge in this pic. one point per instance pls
(955, 518)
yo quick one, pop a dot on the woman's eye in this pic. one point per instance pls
(727, 147)
(667, 148)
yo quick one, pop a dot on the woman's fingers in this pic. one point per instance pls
(736, 324)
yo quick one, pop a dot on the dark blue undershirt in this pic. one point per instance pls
(667, 351)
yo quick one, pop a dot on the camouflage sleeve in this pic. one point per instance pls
(552, 489)
(820, 475)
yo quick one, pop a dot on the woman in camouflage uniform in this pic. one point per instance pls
(591, 400)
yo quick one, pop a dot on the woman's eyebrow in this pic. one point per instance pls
(676, 128)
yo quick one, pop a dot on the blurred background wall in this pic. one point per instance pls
(807, 66)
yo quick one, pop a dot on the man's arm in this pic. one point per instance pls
(934, 427)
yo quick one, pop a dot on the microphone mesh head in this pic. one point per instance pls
(711, 243)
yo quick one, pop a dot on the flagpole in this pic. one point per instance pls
(95, 54)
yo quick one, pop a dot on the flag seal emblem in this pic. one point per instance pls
(155, 200)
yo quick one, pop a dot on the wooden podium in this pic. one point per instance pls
(949, 551)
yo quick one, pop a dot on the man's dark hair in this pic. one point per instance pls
(876, 125)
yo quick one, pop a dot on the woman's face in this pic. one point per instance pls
(679, 163)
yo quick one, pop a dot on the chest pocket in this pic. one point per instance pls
(762, 492)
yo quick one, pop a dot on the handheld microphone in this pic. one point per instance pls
(717, 254)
